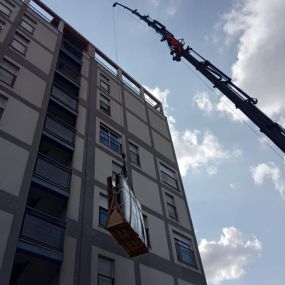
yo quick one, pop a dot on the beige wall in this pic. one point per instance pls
(44, 32)
(163, 146)
(158, 122)
(150, 276)
(77, 161)
(157, 233)
(68, 266)
(5, 225)
(39, 56)
(83, 92)
(135, 104)
(81, 120)
(4, 32)
(124, 267)
(19, 120)
(12, 166)
(138, 128)
(146, 191)
(85, 65)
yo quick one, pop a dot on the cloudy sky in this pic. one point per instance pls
(234, 181)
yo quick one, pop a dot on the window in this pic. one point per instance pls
(6, 7)
(116, 168)
(3, 101)
(2, 25)
(105, 271)
(168, 176)
(171, 208)
(8, 72)
(105, 82)
(184, 250)
(28, 24)
(103, 210)
(110, 139)
(20, 43)
(105, 105)
(146, 230)
(134, 154)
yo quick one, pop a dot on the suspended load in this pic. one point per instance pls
(125, 219)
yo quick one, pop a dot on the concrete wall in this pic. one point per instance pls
(150, 276)
(158, 122)
(135, 104)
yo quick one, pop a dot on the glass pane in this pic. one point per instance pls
(105, 266)
(4, 9)
(27, 26)
(103, 280)
(6, 76)
(169, 198)
(18, 46)
(103, 214)
(103, 201)
(104, 85)
(64, 98)
(172, 211)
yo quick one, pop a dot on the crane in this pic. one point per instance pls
(241, 100)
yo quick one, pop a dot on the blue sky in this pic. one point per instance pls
(234, 182)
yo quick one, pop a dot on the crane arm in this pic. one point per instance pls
(221, 81)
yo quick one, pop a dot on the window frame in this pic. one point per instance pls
(2, 25)
(19, 35)
(105, 80)
(102, 209)
(112, 277)
(184, 245)
(105, 110)
(28, 20)
(171, 204)
(135, 153)
(3, 99)
(109, 136)
(10, 9)
(165, 171)
(10, 72)
(146, 227)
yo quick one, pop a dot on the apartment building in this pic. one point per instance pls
(67, 112)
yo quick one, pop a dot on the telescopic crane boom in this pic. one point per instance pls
(221, 81)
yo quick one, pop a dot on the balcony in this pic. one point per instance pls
(71, 50)
(42, 229)
(59, 131)
(70, 68)
(65, 100)
(51, 174)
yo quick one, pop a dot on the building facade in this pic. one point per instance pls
(67, 112)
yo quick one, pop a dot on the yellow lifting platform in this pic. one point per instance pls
(125, 219)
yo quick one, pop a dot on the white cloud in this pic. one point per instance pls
(226, 258)
(203, 101)
(270, 171)
(258, 26)
(194, 148)
(234, 186)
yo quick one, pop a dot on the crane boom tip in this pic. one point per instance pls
(115, 4)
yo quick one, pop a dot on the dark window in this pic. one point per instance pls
(134, 154)
(146, 230)
(20, 43)
(184, 250)
(105, 271)
(2, 25)
(105, 82)
(110, 139)
(8, 72)
(105, 105)
(6, 7)
(103, 210)
(3, 101)
(168, 176)
(171, 208)
(28, 24)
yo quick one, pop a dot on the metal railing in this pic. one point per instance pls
(59, 129)
(43, 229)
(70, 101)
(52, 172)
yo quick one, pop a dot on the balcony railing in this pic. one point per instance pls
(59, 129)
(68, 100)
(70, 49)
(43, 229)
(52, 172)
